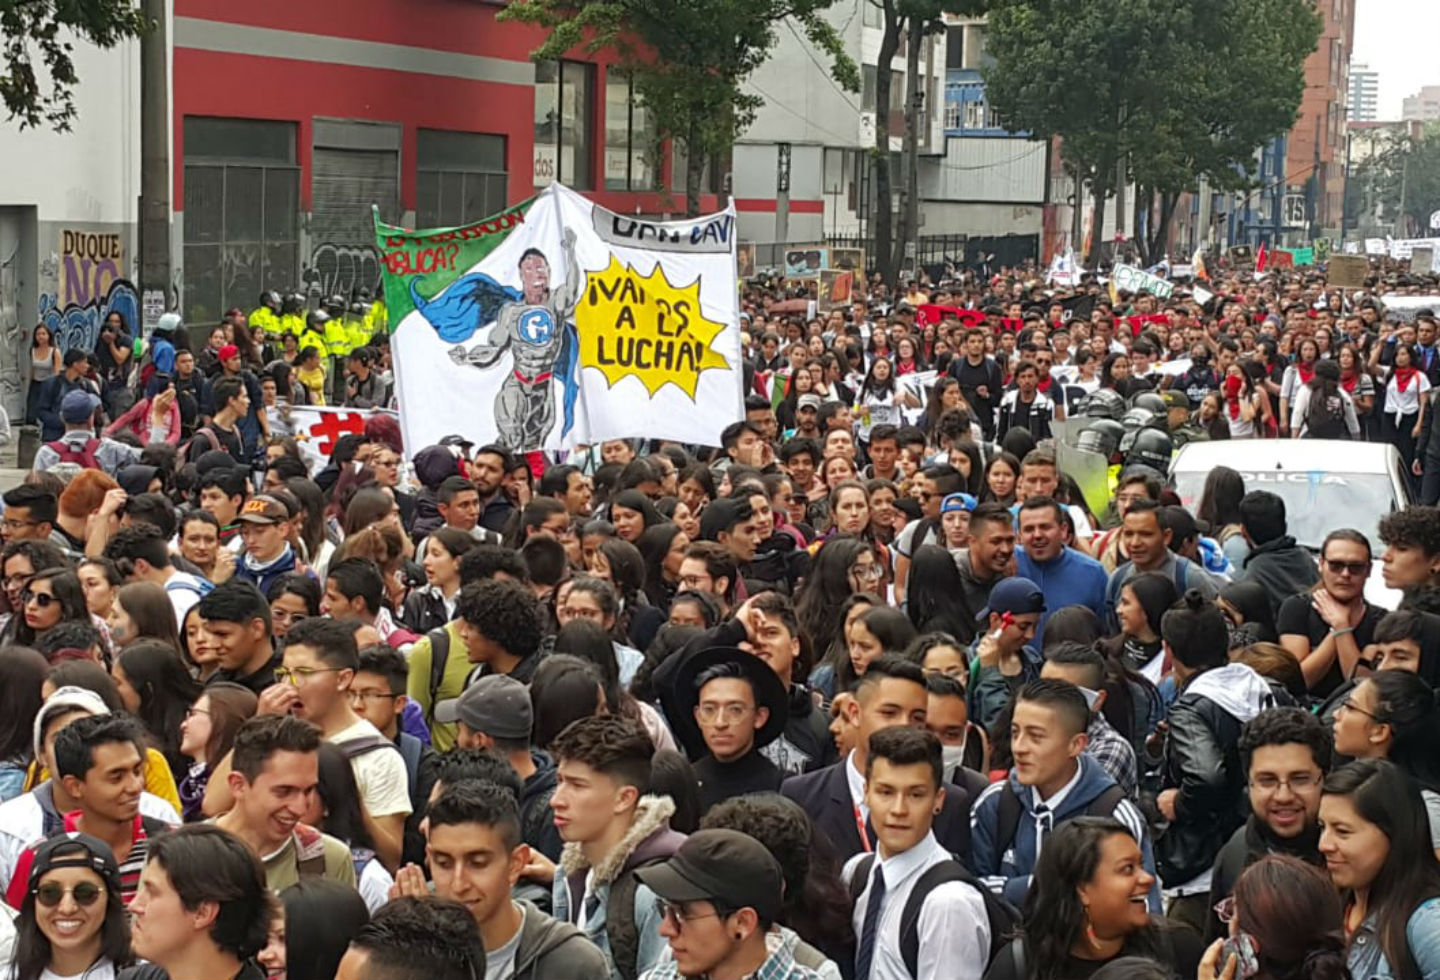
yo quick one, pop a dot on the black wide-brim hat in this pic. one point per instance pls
(769, 693)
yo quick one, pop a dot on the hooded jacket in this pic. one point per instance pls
(1282, 568)
(649, 839)
(537, 820)
(1202, 761)
(554, 950)
(1007, 872)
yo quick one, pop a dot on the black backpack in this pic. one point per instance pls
(1009, 810)
(439, 656)
(1004, 919)
(1325, 417)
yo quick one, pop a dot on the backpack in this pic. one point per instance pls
(210, 437)
(354, 748)
(1007, 814)
(1325, 417)
(620, 929)
(85, 456)
(1117, 581)
(201, 588)
(1003, 918)
(439, 656)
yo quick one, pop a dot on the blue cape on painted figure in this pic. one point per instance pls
(476, 301)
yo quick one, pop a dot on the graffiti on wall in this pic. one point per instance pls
(89, 265)
(343, 270)
(78, 324)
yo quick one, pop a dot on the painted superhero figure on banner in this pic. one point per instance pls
(534, 323)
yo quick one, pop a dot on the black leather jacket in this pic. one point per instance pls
(1202, 760)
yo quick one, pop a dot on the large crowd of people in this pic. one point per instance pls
(872, 689)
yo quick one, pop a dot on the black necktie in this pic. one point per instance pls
(873, 905)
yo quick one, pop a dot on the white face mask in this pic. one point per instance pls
(950, 756)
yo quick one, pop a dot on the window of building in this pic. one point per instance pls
(632, 139)
(952, 114)
(874, 16)
(867, 88)
(242, 213)
(955, 47)
(459, 177)
(564, 123)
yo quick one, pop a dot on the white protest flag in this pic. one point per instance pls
(558, 323)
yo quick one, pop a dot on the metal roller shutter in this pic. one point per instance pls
(344, 183)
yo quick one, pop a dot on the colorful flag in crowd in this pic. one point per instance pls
(1261, 258)
(316, 428)
(558, 323)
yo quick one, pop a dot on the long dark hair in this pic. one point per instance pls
(935, 599)
(565, 689)
(824, 591)
(1294, 913)
(654, 544)
(320, 917)
(1384, 795)
(32, 948)
(589, 642)
(1406, 703)
(156, 672)
(816, 905)
(1054, 917)
(1220, 499)
(344, 820)
(22, 673)
(68, 591)
(627, 575)
(150, 609)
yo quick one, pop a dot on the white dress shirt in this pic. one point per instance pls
(954, 928)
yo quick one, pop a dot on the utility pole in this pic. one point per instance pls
(914, 99)
(155, 172)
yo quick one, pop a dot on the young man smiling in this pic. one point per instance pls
(476, 857)
(952, 936)
(235, 622)
(320, 661)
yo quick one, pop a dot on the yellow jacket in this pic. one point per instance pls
(292, 323)
(265, 319)
(314, 380)
(309, 337)
(337, 337)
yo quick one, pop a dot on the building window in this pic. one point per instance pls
(631, 137)
(955, 47)
(242, 213)
(952, 114)
(564, 115)
(867, 88)
(459, 177)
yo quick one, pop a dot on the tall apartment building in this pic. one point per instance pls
(1423, 106)
(1315, 149)
(1364, 100)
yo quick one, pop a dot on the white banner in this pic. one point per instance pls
(316, 428)
(1133, 280)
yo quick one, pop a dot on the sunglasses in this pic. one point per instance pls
(1356, 568)
(52, 893)
(42, 599)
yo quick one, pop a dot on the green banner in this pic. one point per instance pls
(431, 259)
(1303, 256)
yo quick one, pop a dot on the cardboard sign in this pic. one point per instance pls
(805, 261)
(849, 259)
(1133, 280)
(1422, 260)
(836, 287)
(1348, 271)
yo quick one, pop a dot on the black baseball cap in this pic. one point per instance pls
(725, 867)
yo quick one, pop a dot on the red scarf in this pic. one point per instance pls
(1349, 383)
(1403, 377)
(1232, 396)
(1306, 371)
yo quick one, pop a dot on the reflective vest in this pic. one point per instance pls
(265, 319)
(337, 337)
(292, 323)
(377, 320)
(309, 337)
(359, 332)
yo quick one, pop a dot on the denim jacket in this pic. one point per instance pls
(1367, 960)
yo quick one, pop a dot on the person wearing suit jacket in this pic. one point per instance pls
(891, 692)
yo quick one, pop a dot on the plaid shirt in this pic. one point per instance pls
(779, 965)
(1114, 754)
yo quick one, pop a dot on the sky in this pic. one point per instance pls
(1397, 38)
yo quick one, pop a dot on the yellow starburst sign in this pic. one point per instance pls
(645, 327)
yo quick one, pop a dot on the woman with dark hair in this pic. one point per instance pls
(1219, 507)
(156, 688)
(335, 809)
(142, 611)
(431, 607)
(203, 658)
(72, 921)
(1248, 612)
(935, 598)
(1141, 604)
(1357, 382)
(1002, 479)
(1323, 409)
(565, 688)
(316, 548)
(1402, 414)
(206, 736)
(944, 396)
(632, 512)
(100, 579)
(22, 672)
(697, 487)
(876, 632)
(44, 365)
(672, 775)
(1376, 842)
(1391, 715)
(621, 564)
(831, 581)
(1088, 906)
(879, 399)
(320, 917)
(816, 905)
(52, 596)
(292, 598)
(1290, 913)
(663, 549)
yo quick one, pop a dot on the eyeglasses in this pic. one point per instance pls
(300, 676)
(362, 697)
(1355, 568)
(864, 572)
(1298, 782)
(192, 712)
(1225, 909)
(17, 581)
(678, 916)
(52, 893)
(732, 713)
(1349, 705)
(12, 525)
(42, 599)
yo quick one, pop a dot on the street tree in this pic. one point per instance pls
(689, 61)
(50, 29)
